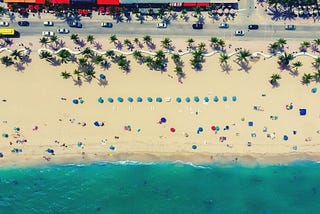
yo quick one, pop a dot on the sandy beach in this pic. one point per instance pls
(38, 113)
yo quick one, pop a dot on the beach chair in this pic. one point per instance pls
(168, 99)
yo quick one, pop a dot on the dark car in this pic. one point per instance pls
(75, 24)
(23, 23)
(107, 24)
(253, 27)
(290, 27)
(197, 26)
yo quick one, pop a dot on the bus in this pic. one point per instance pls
(8, 32)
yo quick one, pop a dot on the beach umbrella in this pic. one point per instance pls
(224, 98)
(172, 129)
(5, 135)
(96, 123)
(217, 128)
(110, 100)
(234, 98)
(149, 99)
(51, 151)
(130, 99)
(102, 76)
(178, 99)
(139, 99)
(200, 129)
(285, 137)
(188, 99)
(163, 120)
(206, 99)
(216, 99)
(213, 128)
(75, 101)
(196, 99)
(194, 146)
(159, 99)
(16, 129)
(120, 99)
(112, 148)
(314, 90)
(100, 100)
(1, 155)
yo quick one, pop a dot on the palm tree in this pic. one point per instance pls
(128, 43)
(44, 41)
(242, 55)
(7, 61)
(197, 10)
(176, 58)
(136, 41)
(113, 38)
(98, 59)
(213, 41)
(190, 42)
(316, 43)
(54, 39)
(74, 37)
(82, 61)
(316, 62)
(224, 58)
(147, 39)
(78, 73)
(65, 75)
(64, 55)
(297, 65)
(281, 42)
(316, 76)
(159, 54)
(201, 46)
(16, 54)
(221, 43)
(179, 72)
(90, 39)
(87, 52)
(137, 54)
(273, 47)
(45, 55)
(306, 79)
(166, 43)
(304, 45)
(110, 53)
(285, 59)
(274, 79)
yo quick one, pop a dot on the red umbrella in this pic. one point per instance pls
(101, 9)
(37, 7)
(213, 128)
(172, 129)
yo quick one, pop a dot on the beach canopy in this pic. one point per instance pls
(178, 99)
(206, 99)
(216, 99)
(120, 99)
(196, 99)
(149, 99)
(159, 99)
(96, 123)
(314, 90)
(110, 100)
(194, 146)
(172, 129)
(130, 99)
(100, 100)
(188, 99)
(102, 76)
(163, 120)
(224, 98)
(234, 98)
(139, 99)
(75, 101)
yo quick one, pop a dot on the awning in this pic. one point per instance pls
(108, 2)
(60, 1)
(203, 4)
(189, 4)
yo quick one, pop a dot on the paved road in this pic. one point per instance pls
(265, 32)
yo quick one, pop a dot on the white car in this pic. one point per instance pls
(48, 23)
(161, 25)
(4, 24)
(48, 33)
(239, 33)
(63, 31)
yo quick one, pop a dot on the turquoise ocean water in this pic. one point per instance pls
(161, 188)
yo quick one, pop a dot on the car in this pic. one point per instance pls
(4, 24)
(107, 24)
(48, 23)
(239, 33)
(48, 33)
(290, 27)
(162, 25)
(224, 25)
(253, 27)
(63, 31)
(75, 24)
(197, 26)
(23, 23)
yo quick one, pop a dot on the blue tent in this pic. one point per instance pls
(303, 111)
(234, 98)
(178, 99)
(163, 120)
(159, 99)
(188, 99)
(149, 99)
(224, 98)
(194, 146)
(196, 99)
(96, 123)
(206, 99)
(139, 99)
(216, 99)
(75, 101)
(120, 99)
(110, 100)
(130, 99)
(100, 100)
(102, 76)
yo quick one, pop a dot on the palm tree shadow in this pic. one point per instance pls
(226, 68)
(103, 82)
(78, 82)
(81, 43)
(73, 58)
(294, 72)
(119, 45)
(55, 62)
(288, 15)
(274, 84)
(61, 44)
(151, 45)
(244, 66)
(97, 45)
(105, 65)
(19, 66)
(276, 14)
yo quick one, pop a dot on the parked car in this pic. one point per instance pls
(239, 33)
(63, 31)
(48, 33)
(197, 26)
(253, 27)
(75, 24)
(162, 25)
(290, 27)
(107, 24)
(4, 24)
(224, 25)
(23, 23)
(48, 23)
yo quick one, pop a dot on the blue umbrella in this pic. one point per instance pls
(159, 99)
(110, 100)
(178, 99)
(120, 99)
(234, 98)
(188, 99)
(100, 100)
(285, 137)
(102, 76)
(216, 99)
(224, 98)
(149, 99)
(194, 146)
(196, 99)
(314, 90)
(200, 129)
(75, 101)
(139, 99)
(130, 99)
(112, 148)
(206, 99)
(96, 123)
(163, 120)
